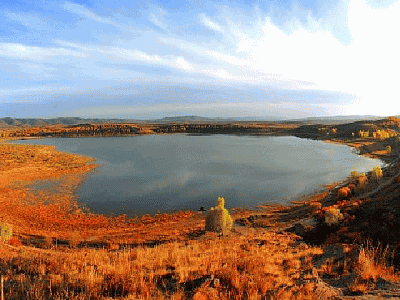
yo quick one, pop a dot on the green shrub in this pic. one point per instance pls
(218, 218)
(5, 231)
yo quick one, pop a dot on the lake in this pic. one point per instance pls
(166, 173)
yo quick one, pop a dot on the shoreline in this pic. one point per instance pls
(294, 200)
(353, 144)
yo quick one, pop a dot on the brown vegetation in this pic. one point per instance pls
(344, 192)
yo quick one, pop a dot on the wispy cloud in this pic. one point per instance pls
(207, 22)
(86, 13)
(20, 51)
(157, 18)
(132, 55)
(28, 20)
(43, 89)
(121, 54)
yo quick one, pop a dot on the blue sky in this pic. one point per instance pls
(147, 59)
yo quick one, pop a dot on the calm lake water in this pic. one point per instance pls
(164, 173)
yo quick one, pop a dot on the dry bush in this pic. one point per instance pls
(362, 181)
(344, 192)
(218, 218)
(333, 216)
(377, 173)
(354, 175)
(352, 188)
(6, 232)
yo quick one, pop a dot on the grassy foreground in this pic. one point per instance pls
(60, 251)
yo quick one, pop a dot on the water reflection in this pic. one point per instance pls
(147, 174)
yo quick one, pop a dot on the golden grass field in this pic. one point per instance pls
(60, 250)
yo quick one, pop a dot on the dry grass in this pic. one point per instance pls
(374, 267)
(22, 163)
(234, 267)
(373, 262)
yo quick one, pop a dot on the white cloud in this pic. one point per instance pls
(250, 49)
(183, 63)
(73, 45)
(43, 89)
(269, 53)
(19, 51)
(220, 74)
(121, 54)
(27, 20)
(231, 59)
(207, 22)
(374, 48)
(301, 55)
(84, 12)
(157, 18)
(133, 55)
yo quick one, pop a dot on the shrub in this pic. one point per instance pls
(333, 216)
(218, 218)
(344, 192)
(354, 175)
(377, 173)
(5, 231)
(362, 180)
(362, 133)
(352, 188)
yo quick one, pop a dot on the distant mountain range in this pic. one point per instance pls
(309, 120)
(335, 119)
(62, 120)
(7, 121)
